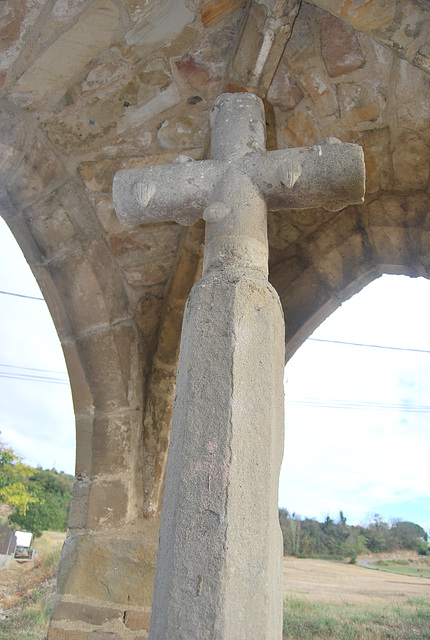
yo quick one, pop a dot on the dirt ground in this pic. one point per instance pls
(325, 581)
(20, 578)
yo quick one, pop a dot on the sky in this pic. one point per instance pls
(357, 434)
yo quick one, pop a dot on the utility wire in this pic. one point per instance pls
(357, 405)
(371, 346)
(30, 378)
(21, 295)
(12, 366)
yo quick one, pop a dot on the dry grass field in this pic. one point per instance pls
(330, 600)
(325, 581)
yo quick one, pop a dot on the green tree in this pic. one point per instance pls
(50, 510)
(14, 484)
(408, 535)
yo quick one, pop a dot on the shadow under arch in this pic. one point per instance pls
(327, 266)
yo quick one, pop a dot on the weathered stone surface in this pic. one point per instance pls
(16, 16)
(161, 24)
(320, 91)
(53, 69)
(284, 91)
(379, 174)
(99, 306)
(86, 613)
(59, 633)
(394, 228)
(90, 564)
(79, 507)
(137, 620)
(147, 254)
(340, 47)
(402, 26)
(411, 161)
(196, 74)
(35, 174)
(12, 138)
(115, 440)
(110, 361)
(183, 133)
(302, 128)
(213, 10)
(413, 98)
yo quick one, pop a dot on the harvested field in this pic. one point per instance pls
(331, 582)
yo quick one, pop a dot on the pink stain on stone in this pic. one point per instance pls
(210, 473)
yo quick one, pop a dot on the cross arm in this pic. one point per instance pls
(179, 191)
(330, 175)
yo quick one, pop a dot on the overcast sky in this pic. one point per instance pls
(357, 417)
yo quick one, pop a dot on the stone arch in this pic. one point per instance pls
(388, 235)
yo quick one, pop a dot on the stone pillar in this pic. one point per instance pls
(219, 573)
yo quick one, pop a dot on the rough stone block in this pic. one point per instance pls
(379, 171)
(147, 254)
(90, 35)
(118, 571)
(412, 98)
(340, 47)
(367, 113)
(12, 137)
(58, 633)
(86, 613)
(196, 74)
(111, 362)
(284, 92)
(320, 91)
(302, 128)
(16, 16)
(115, 441)
(214, 10)
(163, 24)
(182, 133)
(79, 506)
(51, 226)
(411, 161)
(107, 505)
(137, 620)
(38, 169)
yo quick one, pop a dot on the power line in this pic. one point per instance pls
(30, 378)
(21, 295)
(357, 405)
(371, 346)
(12, 366)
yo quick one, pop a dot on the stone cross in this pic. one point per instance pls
(219, 563)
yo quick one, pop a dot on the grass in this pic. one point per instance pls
(304, 620)
(407, 567)
(31, 606)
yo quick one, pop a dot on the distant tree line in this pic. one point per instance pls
(308, 538)
(40, 498)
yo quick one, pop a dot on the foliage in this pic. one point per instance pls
(307, 538)
(304, 620)
(14, 488)
(40, 497)
(53, 492)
